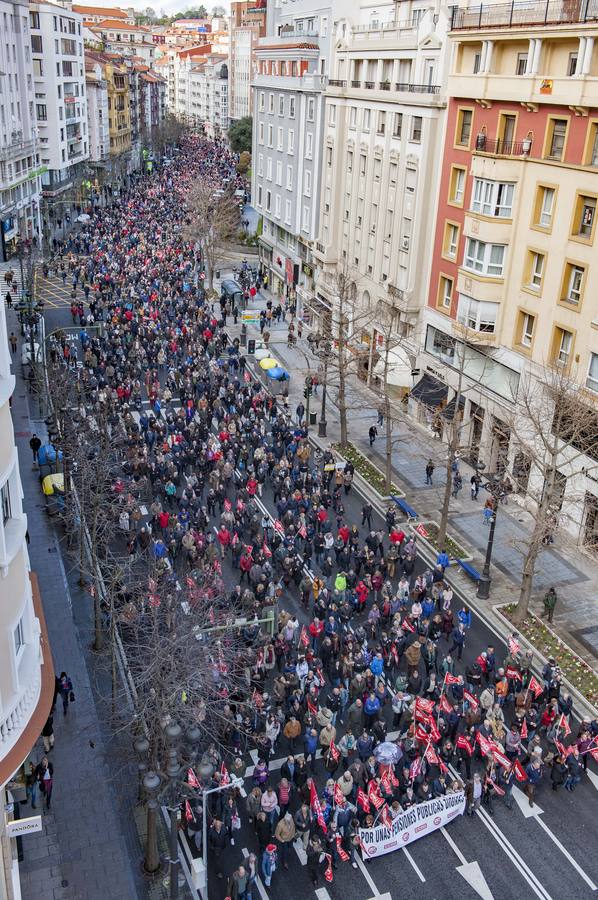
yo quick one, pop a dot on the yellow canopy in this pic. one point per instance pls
(53, 483)
(268, 363)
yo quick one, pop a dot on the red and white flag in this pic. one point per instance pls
(304, 637)
(266, 551)
(362, 800)
(564, 724)
(431, 755)
(385, 817)
(415, 768)
(434, 733)
(444, 704)
(334, 752)
(386, 783)
(471, 699)
(192, 778)
(188, 812)
(423, 705)
(512, 673)
(316, 807)
(501, 759)
(463, 744)
(524, 729)
(313, 709)
(227, 505)
(451, 679)
(343, 855)
(374, 794)
(514, 645)
(520, 773)
(337, 794)
(407, 626)
(421, 735)
(484, 744)
(224, 776)
(535, 687)
(497, 790)
(278, 525)
(302, 532)
(328, 873)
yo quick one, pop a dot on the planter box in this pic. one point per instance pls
(362, 460)
(467, 554)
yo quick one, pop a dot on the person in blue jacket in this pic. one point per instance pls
(371, 709)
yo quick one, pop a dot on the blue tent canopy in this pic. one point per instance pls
(278, 374)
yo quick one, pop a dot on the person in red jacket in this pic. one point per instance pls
(245, 564)
(362, 592)
(344, 534)
(316, 628)
(224, 539)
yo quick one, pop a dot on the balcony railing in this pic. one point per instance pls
(337, 82)
(369, 85)
(500, 147)
(417, 88)
(519, 12)
(356, 84)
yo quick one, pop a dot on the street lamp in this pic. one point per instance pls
(495, 488)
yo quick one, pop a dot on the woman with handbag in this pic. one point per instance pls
(66, 691)
(44, 774)
(232, 820)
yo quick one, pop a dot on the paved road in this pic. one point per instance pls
(549, 855)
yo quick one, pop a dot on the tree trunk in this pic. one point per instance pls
(342, 394)
(446, 500)
(388, 434)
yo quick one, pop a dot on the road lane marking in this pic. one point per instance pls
(414, 865)
(258, 880)
(367, 875)
(322, 894)
(453, 846)
(510, 852)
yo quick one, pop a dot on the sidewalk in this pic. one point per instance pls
(572, 572)
(83, 851)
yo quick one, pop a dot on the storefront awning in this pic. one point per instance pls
(448, 412)
(430, 391)
(399, 368)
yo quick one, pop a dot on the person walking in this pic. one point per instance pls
(314, 855)
(269, 863)
(550, 599)
(217, 843)
(35, 445)
(429, 471)
(237, 884)
(373, 434)
(48, 733)
(66, 691)
(285, 835)
(13, 342)
(31, 785)
(45, 778)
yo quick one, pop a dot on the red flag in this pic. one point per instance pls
(463, 744)
(501, 759)
(520, 773)
(278, 525)
(302, 532)
(564, 751)
(375, 795)
(224, 776)
(422, 717)
(564, 724)
(524, 729)
(313, 710)
(386, 783)
(227, 505)
(343, 855)
(444, 704)
(423, 705)
(188, 812)
(421, 531)
(514, 646)
(497, 790)
(431, 755)
(338, 795)
(385, 817)
(192, 778)
(535, 687)
(334, 752)
(484, 744)
(266, 551)
(512, 673)
(421, 735)
(362, 800)
(316, 807)
(594, 753)
(415, 768)
(451, 679)
(407, 626)
(471, 699)
(434, 733)
(328, 874)
(393, 778)
(442, 766)
(304, 637)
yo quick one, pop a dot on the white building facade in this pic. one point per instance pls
(97, 112)
(20, 169)
(384, 112)
(60, 95)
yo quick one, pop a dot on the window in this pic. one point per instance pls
(305, 222)
(573, 284)
(279, 173)
(291, 107)
(367, 115)
(397, 125)
(287, 211)
(593, 145)
(291, 142)
(311, 106)
(563, 342)
(535, 270)
(260, 164)
(584, 217)
(18, 636)
(381, 122)
(269, 168)
(445, 292)
(464, 122)
(487, 259)
(329, 157)
(278, 205)
(270, 103)
(309, 143)
(289, 178)
(261, 133)
(526, 329)
(307, 183)
(270, 136)
(6, 510)
(268, 201)
(477, 314)
(280, 140)
(332, 115)
(451, 240)
(457, 186)
(42, 112)
(492, 198)
(281, 105)
(521, 66)
(353, 117)
(416, 129)
(262, 101)
(36, 43)
(477, 59)
(34, 19)
(592, 379)
(362, 163)
(556, 136)
(259, 195)
(349, 160)
(38, 69)
(544, 207)
(571, 64)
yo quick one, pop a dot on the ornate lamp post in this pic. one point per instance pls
(495, 488)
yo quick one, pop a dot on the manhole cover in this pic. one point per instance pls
(64, 883)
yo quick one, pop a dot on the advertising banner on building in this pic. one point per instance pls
(412, 824)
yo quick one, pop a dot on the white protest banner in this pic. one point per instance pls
(413, 823)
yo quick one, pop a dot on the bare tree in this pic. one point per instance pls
(214, 217)
(555, 431)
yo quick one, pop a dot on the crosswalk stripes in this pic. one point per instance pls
(258, 881)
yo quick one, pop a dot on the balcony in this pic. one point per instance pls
(500, 147)
(417, 88)
(521, 13)
(16, 146)
(337, 82)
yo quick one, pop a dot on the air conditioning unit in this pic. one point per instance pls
(405, 242)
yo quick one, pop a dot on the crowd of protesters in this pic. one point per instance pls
(363, 688)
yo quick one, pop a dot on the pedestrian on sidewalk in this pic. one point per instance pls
(66, 691)
(373, 433)
(45, 777)
(13, 342)
(8, 300)
(475, 485)
(31, 786)
(217, 843)
(366, 514)
(381, 410)
(48, 733)
(35, 445)
(457, 484)
(550, 599)
(429, 471)
(300, 412)
(269, 864)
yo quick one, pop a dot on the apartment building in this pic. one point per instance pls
(291, 67)
(207, 92)
(247, 24)
(124, 39)
(97, 109)
(95, 14)
(119, 107)
(26, 669)
(60, 98)
(515, 275)
(20, 169)
(384, 114)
